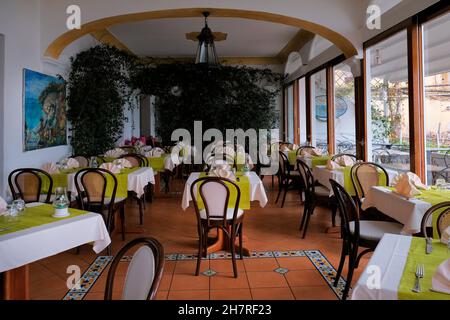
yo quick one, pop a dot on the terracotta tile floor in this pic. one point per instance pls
(266, 229)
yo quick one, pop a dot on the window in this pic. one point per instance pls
(387, 103)
(436, 66)
(302, 111)
(290, 114)
(344, 109)
(319, 112)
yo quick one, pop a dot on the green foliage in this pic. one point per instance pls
(222, 97)
(98, 89)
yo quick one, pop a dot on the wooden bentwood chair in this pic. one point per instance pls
(357, 233)
(91, 184)
(287, 179)
(144, 271)
(26, 184)
(215, 194)
(315, 194)
(442, 221)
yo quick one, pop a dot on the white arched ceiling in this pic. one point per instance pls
(335, 16)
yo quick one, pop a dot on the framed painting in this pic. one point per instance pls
(44, 111)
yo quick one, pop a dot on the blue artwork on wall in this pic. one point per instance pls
(44, 111)
(340, 107)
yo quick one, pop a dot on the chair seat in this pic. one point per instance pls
(375, 230)
(321, 191)
(230, 212)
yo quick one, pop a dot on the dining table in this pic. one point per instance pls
(390, 272)
(342, 176)
(408, 211)
(254, 190)
(35, 234)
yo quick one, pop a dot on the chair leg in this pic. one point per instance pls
(284, 195)
(305, 213)
(273, 181)
(122, 220)
(341, 264)
(280, 187)
(233, 251)
(240, 242)
(200, 251)
(141, 211)
(351, 268)
(310, 212)
(333, 215)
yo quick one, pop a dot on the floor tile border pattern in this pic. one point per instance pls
(320, 262)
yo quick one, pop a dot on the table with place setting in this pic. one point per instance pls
(398, 263)
(342, 176)
(408, 211)
(36, 233)
(252, 189)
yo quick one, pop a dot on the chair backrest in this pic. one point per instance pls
(299, 150)
(82, 160)
(284, 167)
(26, 183)
(135, 159)
(443, 220)
(215, 195)
(92, 183)
(144, 272)
(347, 210)
(366, 175)
(307, 178)
(337, 156)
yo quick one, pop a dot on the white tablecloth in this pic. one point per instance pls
(409, 212)
(323, 176)
(257, 191)
(23, 247)
(137, 180)
(390, 257)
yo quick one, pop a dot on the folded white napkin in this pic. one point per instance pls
(332, 165)
(3, 205)
(285, 148)
(441, 278)
(404, 186)
(72, 163)
(316, 152)
(222, 171)
(110, 167)
(412, 177)
(114, 153)
(123, 163)
(345, 161)
(445, 236)
(307, 152)
(50, 168)
(157, 152)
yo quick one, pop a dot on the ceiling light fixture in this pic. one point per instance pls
(206, 51)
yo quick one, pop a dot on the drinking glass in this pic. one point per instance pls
(19, 204)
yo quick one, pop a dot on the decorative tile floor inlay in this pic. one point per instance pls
(209, 273)
(281, 270)
(320, 262)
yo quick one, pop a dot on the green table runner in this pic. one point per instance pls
(244, 186)
(122, 183)
(315, 160)
(33, 217)
(59, 180)
(431, 262)
(157, 163)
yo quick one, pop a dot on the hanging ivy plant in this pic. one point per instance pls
(98, 89)
(222, 97)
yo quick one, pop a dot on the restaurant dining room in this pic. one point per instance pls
(224, 150)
